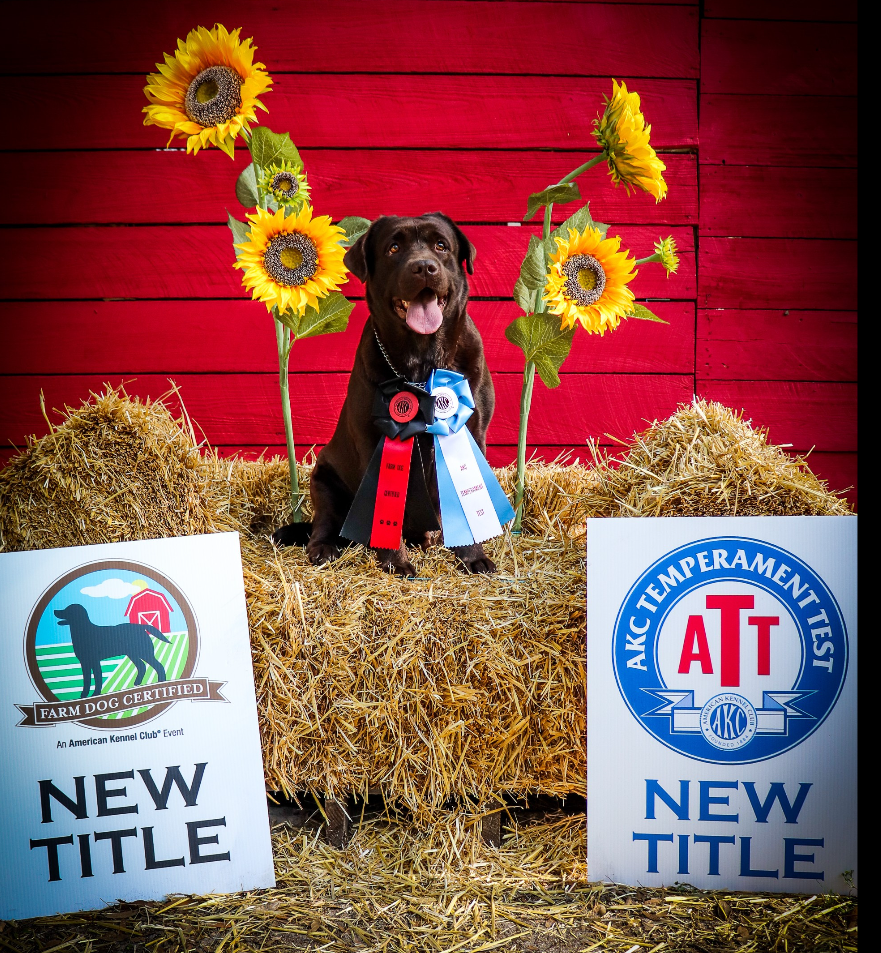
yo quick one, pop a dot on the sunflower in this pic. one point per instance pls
(207, 92)
(665, 250)
(588, 280)
(624, 136)
(289, 263)
(286, 183)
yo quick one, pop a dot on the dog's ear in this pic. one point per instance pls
(467, 252)
(359, 259)
(355, 258)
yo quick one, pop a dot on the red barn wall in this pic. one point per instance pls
(117, 265)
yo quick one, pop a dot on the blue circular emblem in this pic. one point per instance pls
(730, 650)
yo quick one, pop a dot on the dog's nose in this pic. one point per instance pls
(423, 266)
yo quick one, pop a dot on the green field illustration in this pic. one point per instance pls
(63, 675)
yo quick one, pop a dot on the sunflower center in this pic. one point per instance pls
(585, 279)
(284, 182)
(214, 96)
(291, 259)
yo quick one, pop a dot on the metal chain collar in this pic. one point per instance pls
(394, 370)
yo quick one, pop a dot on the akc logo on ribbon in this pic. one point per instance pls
(730, 650)
(110, 645)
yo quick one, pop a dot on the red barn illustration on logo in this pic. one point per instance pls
(150, 608)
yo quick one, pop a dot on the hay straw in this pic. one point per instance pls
(706, 460)
(397, 888)
(443, 686)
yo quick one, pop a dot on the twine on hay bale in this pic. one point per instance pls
(447, 685)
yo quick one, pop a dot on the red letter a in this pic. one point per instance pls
(695, 647)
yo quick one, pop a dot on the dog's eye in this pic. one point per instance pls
(440, 246)
(393, 248)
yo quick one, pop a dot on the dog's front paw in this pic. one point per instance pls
(396, 561)
(423, 540)
(294, 534)
(321, 552)
(474, 559)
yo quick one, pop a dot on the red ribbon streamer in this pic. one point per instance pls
(391, 493)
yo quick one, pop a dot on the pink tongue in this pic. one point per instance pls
(424, 317)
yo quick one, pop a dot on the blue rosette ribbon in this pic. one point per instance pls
(473, 505)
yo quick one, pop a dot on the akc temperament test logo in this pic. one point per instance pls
(111, 645)
(730, 650)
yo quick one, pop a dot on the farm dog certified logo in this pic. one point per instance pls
(110, 645)
(730, 650)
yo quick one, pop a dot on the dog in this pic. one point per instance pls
(417, 292)
(92, 643)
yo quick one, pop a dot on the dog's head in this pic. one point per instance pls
(413, 271)
(72, 614)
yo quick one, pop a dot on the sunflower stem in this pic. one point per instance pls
(525, 403)
(583, 168)
(284, 344)
(529, 370)
(645, 261)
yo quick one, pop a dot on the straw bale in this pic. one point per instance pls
(397, 888)
(439, 686)
(445, 686)
(706, 460)
(116, 469)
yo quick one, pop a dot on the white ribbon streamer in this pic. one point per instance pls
(469, 485)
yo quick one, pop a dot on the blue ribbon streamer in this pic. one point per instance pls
(457, 532)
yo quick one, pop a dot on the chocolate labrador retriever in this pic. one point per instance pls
(417, 292)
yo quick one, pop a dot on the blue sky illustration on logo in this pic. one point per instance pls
(730, 650)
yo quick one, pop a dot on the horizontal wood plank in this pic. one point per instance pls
(800, 59)
(779, 130)
(245, 408)
(760, 273)
(777, 345)
(846, 11)
(760, 201)
(330, 111)
(197, 262)
(161, 187)
(396, 36)
(171, 337)
(805, 415)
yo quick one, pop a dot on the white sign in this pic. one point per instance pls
(721, 702)
(128, 726)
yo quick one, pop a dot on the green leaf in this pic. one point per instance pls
(561, 194)
(354, 226)
(524, 296)
(643, 314)
(576, 223)
(239, 232)
(541, 340)
(331, 316)
(532, 271)
(268, 147)
(246, 187)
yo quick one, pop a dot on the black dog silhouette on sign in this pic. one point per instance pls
(92, 643)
